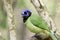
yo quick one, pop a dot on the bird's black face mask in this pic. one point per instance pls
(26, 14)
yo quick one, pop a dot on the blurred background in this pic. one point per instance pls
(20, 32)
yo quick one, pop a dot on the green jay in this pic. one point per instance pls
(32, 20)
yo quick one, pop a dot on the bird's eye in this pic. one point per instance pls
(25, 13)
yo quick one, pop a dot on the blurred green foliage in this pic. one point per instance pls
(3, 16)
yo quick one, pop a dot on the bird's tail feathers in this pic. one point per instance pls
(53, 36)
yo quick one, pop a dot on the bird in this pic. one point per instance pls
(36, 24)
(32, 20)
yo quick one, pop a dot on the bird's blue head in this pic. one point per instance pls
(26, 14)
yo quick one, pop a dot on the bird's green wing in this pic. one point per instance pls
(39, 22)
(32, 27)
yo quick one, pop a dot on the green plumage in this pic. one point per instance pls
(35, 23)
